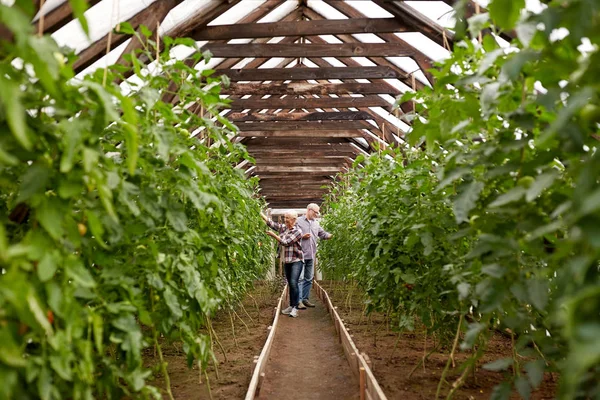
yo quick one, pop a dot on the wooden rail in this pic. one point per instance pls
(260, 362)
(359, 362)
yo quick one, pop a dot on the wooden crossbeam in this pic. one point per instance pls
(303, 134)
(301, 74)
(300, 126)
(294, 141)
(299, 28)
(305, 88)
(298, 169)
(308, 50)
(302, 116)
(323, 102)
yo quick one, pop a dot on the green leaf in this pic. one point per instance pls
(47, 266)
(3, 243)
(505, 13)
(96, 227)
(526, 31)
(71, 140)
(499, 365)
(11, 354)
(51, 215)
(535, 372)
(542, 182)
(494, 270)
(61, 365)
(14, 112)
(512, 68)
(515, 194)
(131, 141)
(7, 159)
(466, 201)
(538, 293)
(477, 22)
(34, 182)
(145, 31)
(178, 220)
(523, 387)
(77, 271)
(38, 313)
(98, 326)
(90, 159)
(172, 303)
(501, 392)
(79, 7)
(471, 335)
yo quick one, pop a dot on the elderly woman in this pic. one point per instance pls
(290, 237)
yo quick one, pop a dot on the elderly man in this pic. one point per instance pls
(311, 230)
(290, 237)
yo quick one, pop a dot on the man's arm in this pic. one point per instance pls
(324, 235)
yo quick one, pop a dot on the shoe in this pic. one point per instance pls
(287, 311)
(301, 306)
(307, 303)
(294, 312)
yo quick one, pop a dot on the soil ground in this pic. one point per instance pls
(306, 360)
(235, 373)
(393, 367)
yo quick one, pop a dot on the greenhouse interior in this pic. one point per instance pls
(292, 199)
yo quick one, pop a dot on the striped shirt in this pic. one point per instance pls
(291, 240)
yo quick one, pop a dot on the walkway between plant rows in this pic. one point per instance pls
(307, 361)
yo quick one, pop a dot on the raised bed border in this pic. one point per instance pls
(359, 362)
(260, 362)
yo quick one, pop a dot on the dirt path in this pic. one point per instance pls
(306, 360)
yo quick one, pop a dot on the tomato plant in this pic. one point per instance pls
(494, 219)
(116, 226)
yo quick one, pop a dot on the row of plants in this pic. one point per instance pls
(489, 221)
(117, 227)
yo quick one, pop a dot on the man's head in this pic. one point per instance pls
(290, 218)
(312, 211)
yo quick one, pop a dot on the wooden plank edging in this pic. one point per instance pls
(370, 389)
(258, 373)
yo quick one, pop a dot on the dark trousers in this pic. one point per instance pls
(292, 273)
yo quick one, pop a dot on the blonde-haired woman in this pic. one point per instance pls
(290, 237)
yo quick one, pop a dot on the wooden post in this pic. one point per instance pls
(361, 373)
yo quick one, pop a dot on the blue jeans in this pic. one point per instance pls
(292, 273)
(306, 279)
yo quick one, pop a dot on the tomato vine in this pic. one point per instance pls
(493, 223)
(117, 227)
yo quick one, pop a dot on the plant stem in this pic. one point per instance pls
(163, 365)
(445, 372)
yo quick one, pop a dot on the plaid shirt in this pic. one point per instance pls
(290, 240)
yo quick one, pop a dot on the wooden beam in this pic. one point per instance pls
(300, 126)
(301, 74)
(298, 169)
(323, 102)
(308, 50)
(423, 61)
(305, 88)
(302, 116)
(296, 141)
(97, 50)
(303, 134)
(418, 22)
(299, 28)
(59, 17)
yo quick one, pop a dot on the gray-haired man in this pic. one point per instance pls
(311, 230)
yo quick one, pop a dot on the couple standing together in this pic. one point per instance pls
(298, 236)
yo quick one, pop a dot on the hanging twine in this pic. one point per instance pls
(109, 41)
(157, 43)
(41, 21)
(446, 43)
(477, 11)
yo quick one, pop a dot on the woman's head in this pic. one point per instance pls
(290, 218)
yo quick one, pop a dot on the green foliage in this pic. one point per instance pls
(116, 226)
(498, 220)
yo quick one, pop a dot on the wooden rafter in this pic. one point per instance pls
(323, 102)
(304, 134)
(59, 17)
(299, 28)
(302, 116)
(302, 125)
(283, 74)
(305, 88)
(309, 50)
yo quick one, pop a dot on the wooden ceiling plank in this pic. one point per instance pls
(59, 17)
(324, 102)
(283, 74)
(305, 88)
(273, 29)
(301, 116)
(303, 134)
(299, 126)
(356, 49)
